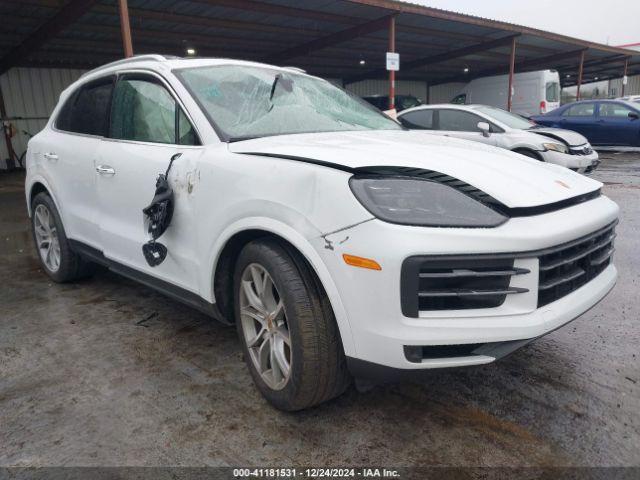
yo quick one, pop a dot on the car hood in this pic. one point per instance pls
(573, 139)
(513, 179)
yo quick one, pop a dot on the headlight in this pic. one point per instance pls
(556, 147)
(409, 201)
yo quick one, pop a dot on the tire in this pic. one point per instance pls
(317, 368)
(529, 153)
(69, 266)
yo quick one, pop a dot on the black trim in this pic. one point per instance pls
(177, 293)
(552, 207)
(431, 175)
(322, 163)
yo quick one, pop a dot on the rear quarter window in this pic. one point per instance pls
(421, 120)
(86, 110)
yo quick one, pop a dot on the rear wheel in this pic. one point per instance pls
(288, 332)
(56, 257)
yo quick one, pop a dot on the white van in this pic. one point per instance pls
(533, 92)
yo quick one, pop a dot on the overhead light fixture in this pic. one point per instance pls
(466, 70)
(362, 62)
(595, 78)
(568, 76)
(191, 51)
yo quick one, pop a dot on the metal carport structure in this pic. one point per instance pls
(343, 39)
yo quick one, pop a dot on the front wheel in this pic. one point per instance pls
(288, 331)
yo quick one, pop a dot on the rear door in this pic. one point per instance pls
(461, 124)
(615, 125)
(147, 127)
(67, 152)
(581, 118)
(418, 119)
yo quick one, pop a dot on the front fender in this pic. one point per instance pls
(303, 245)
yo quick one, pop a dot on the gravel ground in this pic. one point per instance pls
(107, 372)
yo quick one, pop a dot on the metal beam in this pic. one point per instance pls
(547, 62)
(512, 67)
(624, 75)
(71, 12)
(412, 8)
(5, 131)
(125, 27)
(441, 57)
(330, 40)
(392, 73)
(580, 72)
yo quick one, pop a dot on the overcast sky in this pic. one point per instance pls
(615, 22)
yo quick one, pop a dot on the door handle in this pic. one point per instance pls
(50, 156)
(105, 170)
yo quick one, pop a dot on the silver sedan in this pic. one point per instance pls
(497, 127)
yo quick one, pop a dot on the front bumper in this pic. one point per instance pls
(577, 163)
(372, 302)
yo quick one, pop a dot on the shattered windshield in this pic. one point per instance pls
(248, 102)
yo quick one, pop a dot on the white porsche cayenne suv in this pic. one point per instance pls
(341, 244)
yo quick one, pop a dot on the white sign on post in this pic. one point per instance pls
(624, 80)
(393, 61)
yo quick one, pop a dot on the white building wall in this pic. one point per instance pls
(444, 93)
(381, 87)
(632, 87)
(31, 95)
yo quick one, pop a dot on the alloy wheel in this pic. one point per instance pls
(265, 327)
(47, 240)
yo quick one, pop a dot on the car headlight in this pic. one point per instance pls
(556, 147)
(410, 201)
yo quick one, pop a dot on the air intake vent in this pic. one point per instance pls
(567, 267)
(457, 283)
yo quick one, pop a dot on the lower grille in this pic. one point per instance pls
(583, 150)
(567, 267)
(457, 283)
(462, 282)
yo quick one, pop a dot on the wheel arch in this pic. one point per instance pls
(36, 186)
(523, 148)
(228, 247)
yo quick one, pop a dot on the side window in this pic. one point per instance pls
(186, 134)
(421, 119)
(614, 110)
(87, 109)
(458, 121)
(145, 111)
(580, 110)
(460, 99)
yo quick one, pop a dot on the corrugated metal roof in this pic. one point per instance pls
(259, 29)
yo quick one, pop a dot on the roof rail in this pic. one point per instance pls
(136, 58)
(295, 69)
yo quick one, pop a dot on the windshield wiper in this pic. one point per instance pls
(273, 85)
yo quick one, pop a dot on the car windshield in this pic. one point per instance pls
(509, 119)
(247, 102)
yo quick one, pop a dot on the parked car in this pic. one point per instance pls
(402, 102)
(497, 127)
(603, 122)
(338, 242)
(630, 98)
(533, 92)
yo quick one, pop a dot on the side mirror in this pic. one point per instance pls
(485, 128)
(633, 116)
